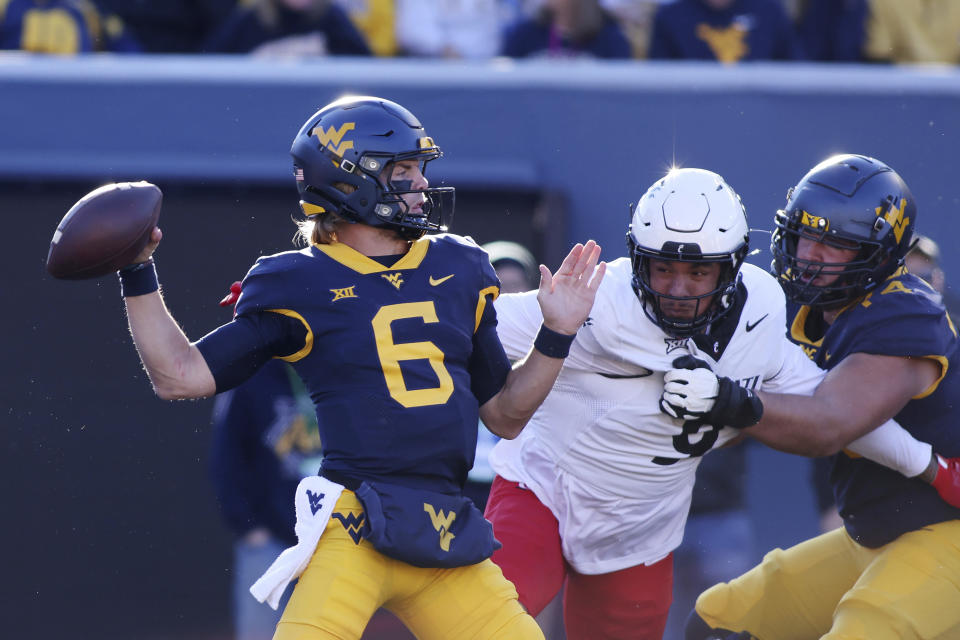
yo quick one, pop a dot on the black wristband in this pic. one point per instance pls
(553, 344)
(138, 279)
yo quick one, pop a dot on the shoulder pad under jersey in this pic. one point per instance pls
(273, 282)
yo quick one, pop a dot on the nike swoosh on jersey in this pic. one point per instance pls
(435, 281)
(751, 327)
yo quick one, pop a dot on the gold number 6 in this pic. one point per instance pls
(392, 354)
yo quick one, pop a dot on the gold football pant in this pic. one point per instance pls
(347, 580)
(832, 588)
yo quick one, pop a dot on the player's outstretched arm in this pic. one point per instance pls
(861, 392)
(175, 367)
(855, 397)
(565, 299)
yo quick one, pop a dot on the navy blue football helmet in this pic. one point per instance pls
(351, 142)
(848, 202)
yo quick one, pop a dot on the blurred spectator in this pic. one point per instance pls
(451, 28)
(636, 20)
(728, 31)
(719, 540)
(63, 27)
(832, 30)
(376, 21)
(912, 31)
(171, 26)
(288, 28)
(567, 29)
(515, 266)
(265, 440)
(923, 260)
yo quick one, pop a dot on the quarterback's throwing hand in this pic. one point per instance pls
(692, 391)
(566, 297)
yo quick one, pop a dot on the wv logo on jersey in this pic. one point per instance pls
(894, 216)
(396, 279)
(340, 294)
(441, 522)
(353, 523)
(331, 138)
(316, 501)
(728, 44)
(811, 351)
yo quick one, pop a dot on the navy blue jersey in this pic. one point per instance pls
(532, 39)
(902, 318)
(745, 30)
(389, 352)
(244, 30)
(62, 27)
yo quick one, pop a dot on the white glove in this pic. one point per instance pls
(691, 391)
(689, 394)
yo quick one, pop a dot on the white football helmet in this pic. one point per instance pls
(689, 215)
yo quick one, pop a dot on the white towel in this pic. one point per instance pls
(315, 499)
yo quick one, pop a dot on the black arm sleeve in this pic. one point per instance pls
(237, 349)
(488, 364)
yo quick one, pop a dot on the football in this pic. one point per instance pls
(104, 231)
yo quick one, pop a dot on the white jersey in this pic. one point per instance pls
(616, 472)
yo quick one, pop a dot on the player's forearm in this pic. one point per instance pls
(175, 367)
(855, 397)
(807, 425)
(892, 446)
(527, 386)
(889, 444)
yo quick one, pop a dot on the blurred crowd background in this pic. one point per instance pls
(729, 31)
(113, 528)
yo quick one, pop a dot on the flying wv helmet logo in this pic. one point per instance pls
(441, 523)
(332, 138)
(894, 216)
(815, 222)
(353, 523)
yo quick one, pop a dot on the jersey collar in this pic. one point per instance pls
(798, 329)
(362, 264)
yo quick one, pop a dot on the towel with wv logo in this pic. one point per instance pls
(315, 499)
